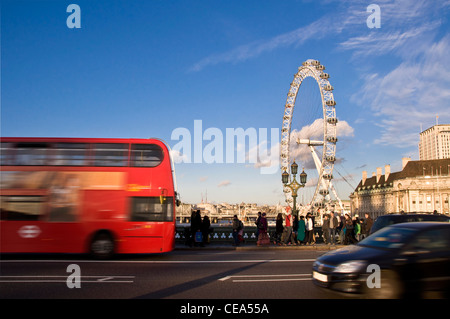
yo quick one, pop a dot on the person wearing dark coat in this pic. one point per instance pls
(367, 225)
(333, 225)
(206, 224)
(196, 224)
(278, 229)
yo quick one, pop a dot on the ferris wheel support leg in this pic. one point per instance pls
(318, 165)
(316, 158)
(325, 184)
(336, 196)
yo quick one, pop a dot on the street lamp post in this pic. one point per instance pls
(294, 186)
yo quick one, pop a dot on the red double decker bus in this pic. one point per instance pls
(78, 195)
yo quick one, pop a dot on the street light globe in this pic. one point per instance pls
(294, 168)
(303, 177)
(285, 177)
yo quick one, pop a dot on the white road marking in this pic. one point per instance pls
(63, 279)
(267, 278)
(161, 261)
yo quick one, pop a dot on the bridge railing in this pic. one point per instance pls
(223, 235)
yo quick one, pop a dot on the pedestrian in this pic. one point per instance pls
(196, 225)
(333, 224)
(278, 229)
(309, 226)
(288, 228)
(237, 226)
(205, 227)
(326, 229)
(241, 232)
(295, 229)
(263, 238)
(356, 229)
(367, 225)
(301, 230)
(348, 230)
(257, 225)
(341, 229)
(313, 218)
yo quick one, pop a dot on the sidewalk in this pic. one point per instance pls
(253, 246)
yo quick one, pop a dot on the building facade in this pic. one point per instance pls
(421, 186)
(435, 142)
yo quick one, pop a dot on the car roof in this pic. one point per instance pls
(412, 214)
(422, 225)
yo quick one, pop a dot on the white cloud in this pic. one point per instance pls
(302, 153)
(317, 29)
(401, 20)
(408, 42)
(178, 157)
(409, 95)
(224, 183)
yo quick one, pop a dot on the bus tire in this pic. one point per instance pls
(102, 246)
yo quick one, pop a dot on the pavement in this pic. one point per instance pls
(253, 246)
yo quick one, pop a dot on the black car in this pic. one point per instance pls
(401, 260)
(386, 220)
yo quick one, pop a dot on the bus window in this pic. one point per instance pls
(146, 155)
(6, 154)
(31, 154)
(150, 209)
(22, 207)
(110, 154)
(70, 154)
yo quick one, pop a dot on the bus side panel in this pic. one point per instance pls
(144, 237)
(169, 238)
(140, 245)
(23, 237)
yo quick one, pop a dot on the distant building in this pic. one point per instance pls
(421, 186)
(435, 143)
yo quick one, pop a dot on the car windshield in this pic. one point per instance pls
(388, 238)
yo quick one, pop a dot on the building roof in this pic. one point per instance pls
(439, 167)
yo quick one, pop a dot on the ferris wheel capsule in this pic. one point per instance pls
(332, 120)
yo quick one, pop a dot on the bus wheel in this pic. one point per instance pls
(102, 246)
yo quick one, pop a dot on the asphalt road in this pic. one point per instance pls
(181, 274)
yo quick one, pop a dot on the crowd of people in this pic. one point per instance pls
(349, 229)
(289, 229)
(198, 234)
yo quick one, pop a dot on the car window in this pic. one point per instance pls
(431, 240)
(382, 222)
(389, 237)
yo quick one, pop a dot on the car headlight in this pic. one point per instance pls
(351, 266)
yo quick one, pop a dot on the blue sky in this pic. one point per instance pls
(145, 68)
